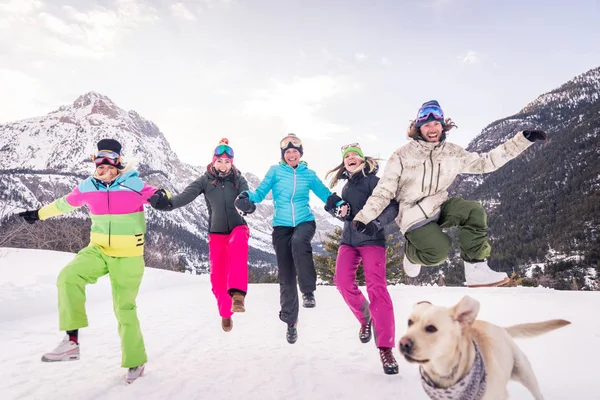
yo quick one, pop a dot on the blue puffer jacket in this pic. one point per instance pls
(291, 188)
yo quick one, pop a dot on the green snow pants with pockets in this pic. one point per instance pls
(125, 277)
(428, 245)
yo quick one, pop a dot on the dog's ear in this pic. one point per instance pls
(465, 312)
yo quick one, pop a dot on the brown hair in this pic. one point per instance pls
(338, 171)
(414, 132)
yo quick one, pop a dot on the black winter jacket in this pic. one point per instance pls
(356, 192)
(219, 193)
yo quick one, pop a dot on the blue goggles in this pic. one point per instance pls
(223, 149)
(431, 110)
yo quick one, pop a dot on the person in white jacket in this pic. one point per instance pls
(418, 174)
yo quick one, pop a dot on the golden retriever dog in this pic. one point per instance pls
(463, 358)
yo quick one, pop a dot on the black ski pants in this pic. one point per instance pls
(294, 259)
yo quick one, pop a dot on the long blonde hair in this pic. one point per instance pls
(131, 163)
(370, 164)
(414, 132)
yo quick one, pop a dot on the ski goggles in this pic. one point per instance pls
(110, 157)
(290, 139)
(424, 113)
(223, 149)
(347, 146)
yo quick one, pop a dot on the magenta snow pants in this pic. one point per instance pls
(228, 265)
(380, 309)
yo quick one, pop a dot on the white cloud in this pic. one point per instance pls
(360, 57)
(372, 137)
(181, 11)
(297, 104)
(87, 34)
(470, 57)
(386, 61)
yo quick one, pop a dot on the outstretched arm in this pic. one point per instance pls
(384, 192)
(64, 205)
(264, 188)
(319, 188)
(193, 190)
(475, 163)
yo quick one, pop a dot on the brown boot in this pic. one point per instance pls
(227, 324)
(237, 302)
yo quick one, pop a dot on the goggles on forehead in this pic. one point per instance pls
(110, 156)
(424, 113)
(290, 139)
(223, 149)
(347, 146)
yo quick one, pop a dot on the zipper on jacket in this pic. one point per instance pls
(437, 184)
(292, 200)
(109, 222)
(225, 202)
(432, 170)
(423, 181)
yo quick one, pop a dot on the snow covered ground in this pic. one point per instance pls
(190, 357)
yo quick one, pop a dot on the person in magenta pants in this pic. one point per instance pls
(364, 243)
(228, 233)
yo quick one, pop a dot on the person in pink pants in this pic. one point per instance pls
(228, 266)
(364, 243)
(228, 232)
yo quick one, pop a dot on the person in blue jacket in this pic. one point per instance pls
(293, 227)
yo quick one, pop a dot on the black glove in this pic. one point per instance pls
(369, 229)
(161, 200)
(332, 202)
(244, 205)
(532, 136)
(338, 212)
(30, 216)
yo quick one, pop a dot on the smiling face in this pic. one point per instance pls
(292, 157)
(223, 165)
(352, 161)
(106, 173)
(431, 131)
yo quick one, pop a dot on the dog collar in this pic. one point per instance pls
(470, 387)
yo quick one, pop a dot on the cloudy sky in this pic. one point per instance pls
(332, 71)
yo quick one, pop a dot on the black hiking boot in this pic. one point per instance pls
(292, 333)
(365, 332)
(308, 300)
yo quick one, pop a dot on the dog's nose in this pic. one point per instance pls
(406, 345)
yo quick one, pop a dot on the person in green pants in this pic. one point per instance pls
(418, 175)
(115, 196)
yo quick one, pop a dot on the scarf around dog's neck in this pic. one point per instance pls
(470, 387)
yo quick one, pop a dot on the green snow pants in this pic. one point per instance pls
(428, 245)
(125, 277)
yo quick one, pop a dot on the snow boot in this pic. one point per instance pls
(227, 324)
(390, 366)
(237, 302)
(365, 332)
(411, 269)
(292, 333)
(308, 300)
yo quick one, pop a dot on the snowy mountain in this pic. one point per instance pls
(190, 357)
(43, 158)
(544, 206)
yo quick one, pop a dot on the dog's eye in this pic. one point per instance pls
(430, 329)
(410, 322)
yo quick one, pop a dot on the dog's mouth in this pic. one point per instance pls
(414, 360)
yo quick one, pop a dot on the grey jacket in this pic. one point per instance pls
(219, 193)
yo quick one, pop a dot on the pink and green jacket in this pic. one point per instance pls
(116, 210)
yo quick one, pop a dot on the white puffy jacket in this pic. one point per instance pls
(419, 173)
